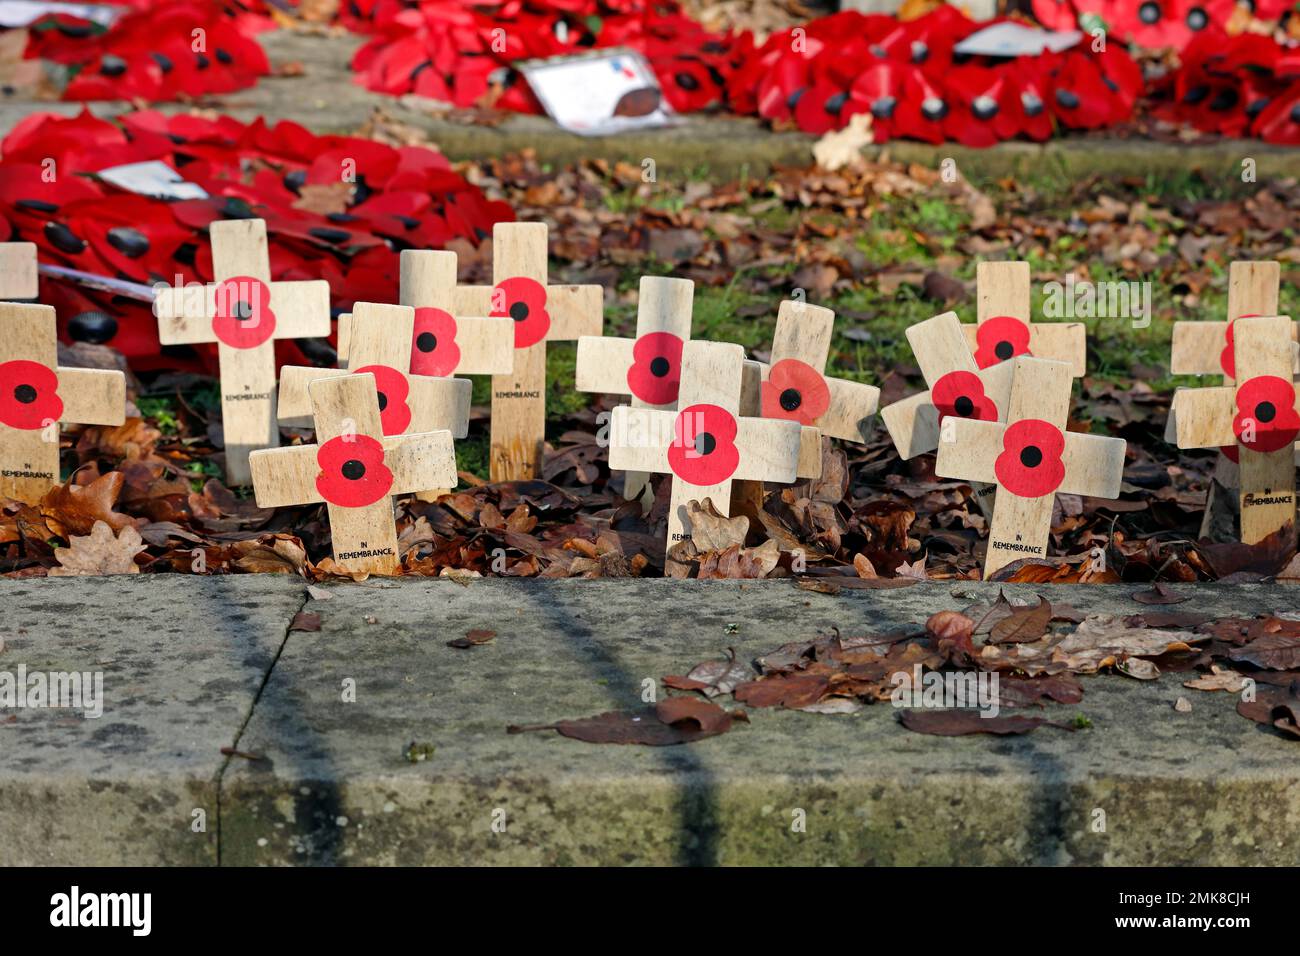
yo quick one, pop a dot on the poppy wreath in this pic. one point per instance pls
(243, 319)
(1030, 464)
(433, 343)
(393, 389)
(1266, 418)
(29, 395)
(524, 300)
(407, 197)
(1000, 338)
(961, 393)
(352, 471)
(703, 451)
(795, 391)
(655, 375)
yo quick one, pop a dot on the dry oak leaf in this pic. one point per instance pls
(843, 147)
(1275, 645)
(712, 530)
(75, 509)
(1218, 679)
(100, 552)
(1102, 640)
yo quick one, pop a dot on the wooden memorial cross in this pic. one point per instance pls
(36, 395)
(381, 346)
(18, 270)
(1004, 326)
(542, 313)
(647, 367)
(1206, 348)
(1256, 415)
(243, 311)
(355, 469)
(706, 445)
(1030, 458)
(444, 342)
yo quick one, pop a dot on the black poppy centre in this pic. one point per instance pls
(25, 394)
(426, 341)
(383, 401)
(963, 406)
(791, 399)
(1031, 456)
(1265, 412)
(353, 470)
(243, 310)
(1004, 350)
(705, 443)
(660, 366)
(519, 311)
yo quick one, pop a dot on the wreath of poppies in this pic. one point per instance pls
(795, 391)
(1000, 338)
(394, 389)
(1030, 464)
(29, 395)
(433, 343)
(655, 375)
(703, 451)
(352, 471)
(243, 318)
(1266, 418)
(404, 197)
(524, 300)
(961, 394)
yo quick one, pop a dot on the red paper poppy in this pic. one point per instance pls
(1030, 465)
(656, 370)
(29, 395)
(795, 391)
(962, 394)
(1227, 360)
(1266, 414)
(1000, 338)
(244, 319)
(352, 471)
(523, 300)
(433, 346)
(1279, 121)
(393, 388)
(704, 450)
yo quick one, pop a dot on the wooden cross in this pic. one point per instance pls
(542, 313)
(1004, 326)
(243, 311)
(1030, 458)
(648, 367)
(795, 385)
(355, 469)
(1206, 348)
(18, 270)
(36, 395)
(444, 342)
(706, 445)
(1257, 415)
(381, 346)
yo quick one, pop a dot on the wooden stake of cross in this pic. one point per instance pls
(445, 342)
(355, 469)
(18, 278)
(244, 312)
(1257, 414)
(1031, 458)
(648, 367)
(381, 343)
(36, 395)
(706, 445)
(542, 313)
(1004, 326)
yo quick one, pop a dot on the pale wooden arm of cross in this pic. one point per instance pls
(1093, 463)
(486, 344)
(769, 447)
(407, 456)
(302, 311)
(18, 278)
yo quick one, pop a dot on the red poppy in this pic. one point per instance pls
(795, 391)
(352, 471)
(1227, 360)
(878, 90)
(1000, 338)
(1279, 121)
(433, 346)
(923, 110)
(656, 370)
(1030, 465)
(704, 450)
(393, 388)
(821, 107)
(523, 300)
(29, 395)
(962, 394)
(244, 319)
(1266, 418)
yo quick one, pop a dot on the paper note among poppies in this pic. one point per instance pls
(598, 94)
